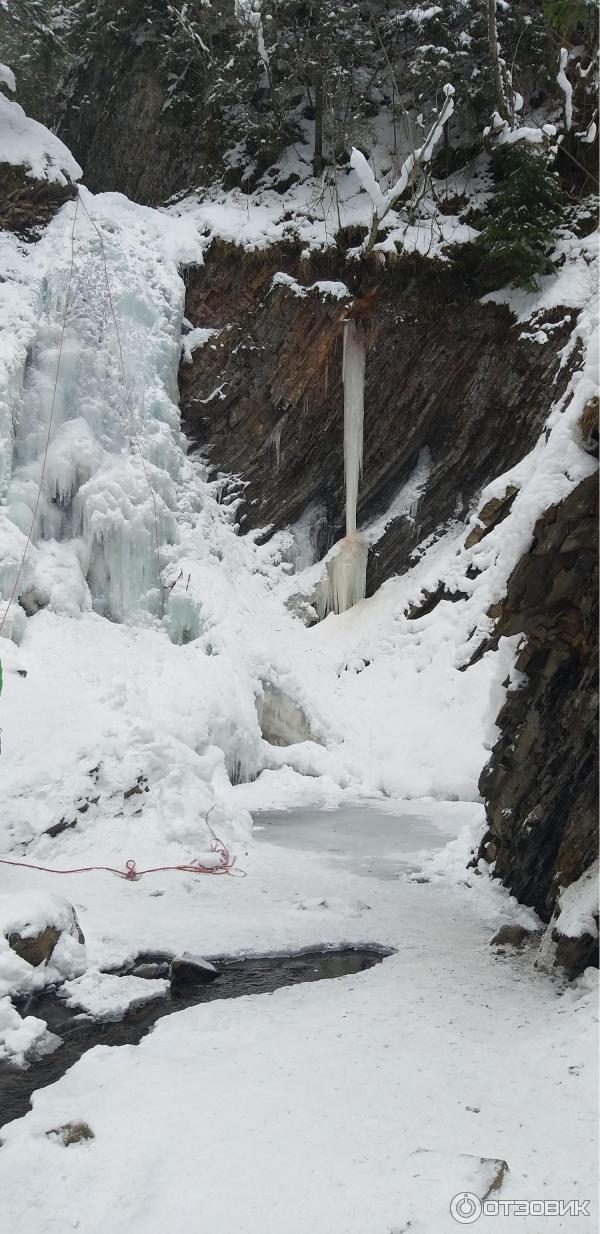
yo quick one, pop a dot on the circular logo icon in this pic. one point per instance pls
(465, 1207)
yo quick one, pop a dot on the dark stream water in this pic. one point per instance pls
(258, 975)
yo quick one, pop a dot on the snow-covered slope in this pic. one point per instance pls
(130, 710)
(167, 686)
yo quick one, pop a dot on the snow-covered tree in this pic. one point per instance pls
(516, 239)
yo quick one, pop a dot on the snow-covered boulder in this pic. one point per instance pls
(37, 171)
(33, 924)
(188, 970)
(26, 143)
(23, 1038)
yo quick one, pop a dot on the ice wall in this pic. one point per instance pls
(112, 459)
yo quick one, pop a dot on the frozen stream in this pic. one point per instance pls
(359, 1105)
(378, 839)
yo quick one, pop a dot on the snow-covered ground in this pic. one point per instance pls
(130, 711)
(306, 1108)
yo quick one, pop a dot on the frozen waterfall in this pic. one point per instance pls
(347, 564)
(115, 450)
(353, 371)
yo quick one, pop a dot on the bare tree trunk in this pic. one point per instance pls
(318, 162)
(501, 103)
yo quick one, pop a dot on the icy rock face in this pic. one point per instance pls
(114, 451)
(445, 374)
(282, 721)
(542, 818)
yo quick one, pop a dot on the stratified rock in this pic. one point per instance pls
(430, 600)
(190, 970)
(27, 203)
(492, 513)
(444, 373)
(540, 786)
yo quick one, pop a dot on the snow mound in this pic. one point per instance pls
(23, 1039)
(108, 997)
(26, 143)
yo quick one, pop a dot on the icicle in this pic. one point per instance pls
(347, 571)
(353, 371)
(347, 566)
(274, 441)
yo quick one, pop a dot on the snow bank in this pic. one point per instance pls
(25, 143)
(578, 906)
(27, 915)
(325, 287)
(23, 1039)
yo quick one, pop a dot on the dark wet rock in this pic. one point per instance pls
(490, 515)
(63, 824)
(112, 111)
(71, 1133)
(150, 971)
(514, 936)
(190, 970)
(540, 786)
(140, 786)
(488, 850)
(589, 428)
(430, 600)
(575, 954)
(38, 948)
(27, 204)
(444, 373)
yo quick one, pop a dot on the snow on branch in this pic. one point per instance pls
(566, 87)
(7, 77)
(367, 180)
(384, 202)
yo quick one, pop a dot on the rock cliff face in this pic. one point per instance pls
(541, 785)
(453, 390)
(26, 204)
(114, 121)
(112, 107)
(448, 382)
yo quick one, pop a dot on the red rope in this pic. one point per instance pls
(131, 874)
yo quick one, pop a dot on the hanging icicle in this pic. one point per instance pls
(353, 371)
(347, 566)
